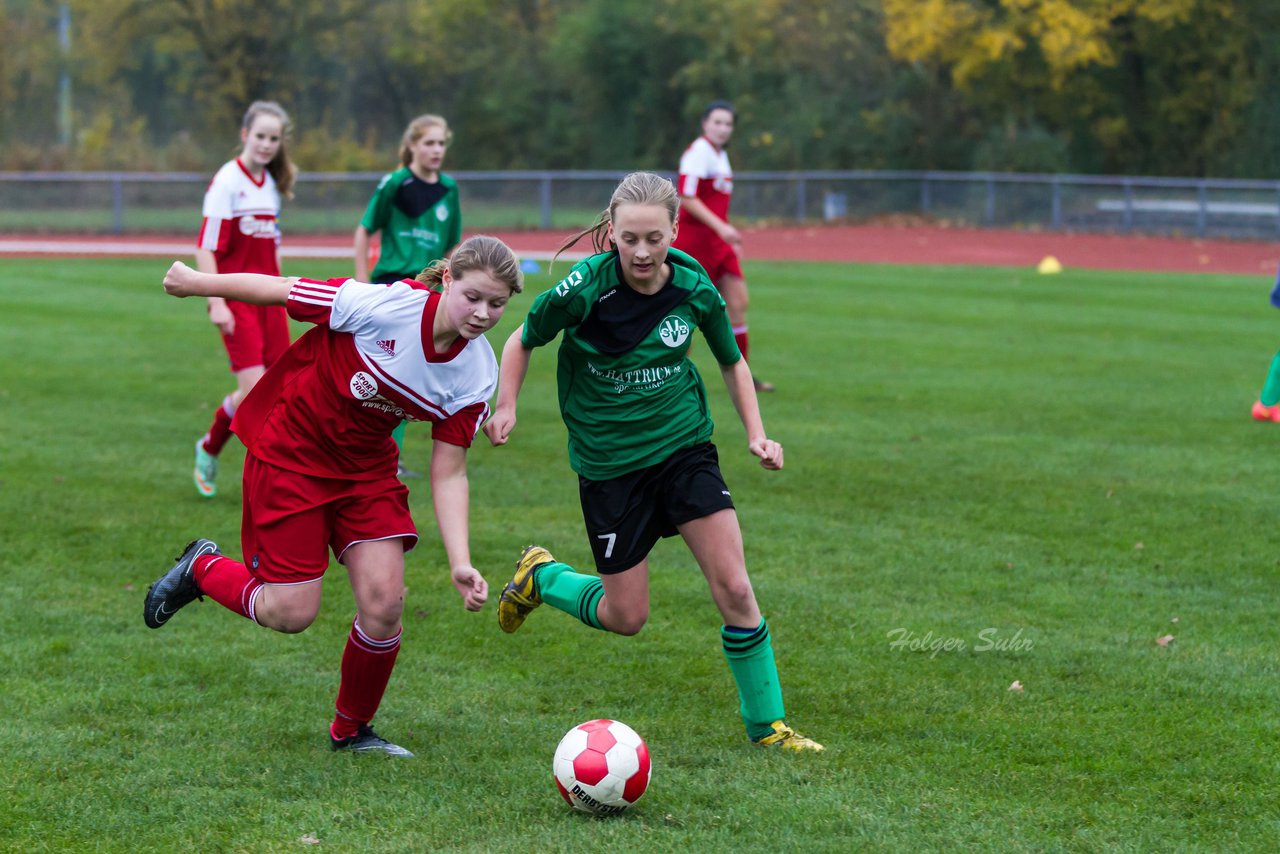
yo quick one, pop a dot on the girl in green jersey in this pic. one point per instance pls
(640, 439)
(416, 210)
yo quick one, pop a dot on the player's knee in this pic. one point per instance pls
(736, 594)
(291, 621)
(382, 608)
(628, 623)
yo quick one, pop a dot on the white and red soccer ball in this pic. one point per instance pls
(601, 767)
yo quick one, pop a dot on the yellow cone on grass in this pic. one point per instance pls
(1049, 266)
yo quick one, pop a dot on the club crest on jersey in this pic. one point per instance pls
(363, 386)
(442, 213)
(673, 331)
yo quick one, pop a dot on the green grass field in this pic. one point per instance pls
(1052, 472)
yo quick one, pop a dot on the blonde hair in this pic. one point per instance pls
(282, 170)
(483, 253)
(416, 130)
(637, 188)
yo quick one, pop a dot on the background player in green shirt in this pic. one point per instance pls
(416, 210)
(639, 439)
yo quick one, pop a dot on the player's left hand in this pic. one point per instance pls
(471, 586)
(769, 452)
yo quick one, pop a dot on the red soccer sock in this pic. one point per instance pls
(220, 431)
(227, 582)
(366, 669)
(740, 335)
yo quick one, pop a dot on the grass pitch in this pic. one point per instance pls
(991, 477)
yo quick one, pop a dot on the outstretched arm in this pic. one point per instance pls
(182, 281)
(742, 391)
(450, 493)
(511, 373)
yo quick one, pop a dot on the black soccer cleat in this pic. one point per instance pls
(367, 741)
(177, 587)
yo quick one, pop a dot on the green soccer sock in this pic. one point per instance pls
(750, 656)
(572, 592)
(398, 435)
(1271, 389)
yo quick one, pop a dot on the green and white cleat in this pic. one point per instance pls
(520, 596)
(785, 738)
(206, 472)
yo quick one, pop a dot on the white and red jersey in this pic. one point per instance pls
(241, 221)
(706, 174)
(328, 406)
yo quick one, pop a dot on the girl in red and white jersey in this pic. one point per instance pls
(320, 472)
(240, 233)
(706, 186)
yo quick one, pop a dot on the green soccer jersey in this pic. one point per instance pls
(419, 222)
(629, 393)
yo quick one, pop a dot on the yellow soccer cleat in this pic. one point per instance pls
(520, 596)
(785, 738)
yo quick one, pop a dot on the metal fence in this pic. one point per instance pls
(146, 202)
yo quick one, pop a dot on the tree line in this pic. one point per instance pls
(1143, 87)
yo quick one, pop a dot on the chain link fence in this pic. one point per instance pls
(330, 203)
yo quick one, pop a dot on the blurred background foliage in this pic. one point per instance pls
(1143, 87)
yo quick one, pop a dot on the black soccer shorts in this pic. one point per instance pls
(627, 515)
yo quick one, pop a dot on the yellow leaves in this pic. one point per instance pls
(970, 38)
(996, 44)
(1071, 37)
(918, 30)
(1166, 12)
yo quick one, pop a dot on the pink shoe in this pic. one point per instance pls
(1265, 413)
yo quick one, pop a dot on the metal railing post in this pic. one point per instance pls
(1202, 209)
(802, 205)
(1055, 214)
(544, 194)
(117, 205)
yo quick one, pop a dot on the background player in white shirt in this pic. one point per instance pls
(706, 186)
(320, 472)
(240, 233)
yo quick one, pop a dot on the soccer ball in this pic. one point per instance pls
(601, 767)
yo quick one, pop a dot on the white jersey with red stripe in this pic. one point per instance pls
(705, 173)
(241, 221)
(328, 407)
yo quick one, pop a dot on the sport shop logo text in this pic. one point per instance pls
(990, 639)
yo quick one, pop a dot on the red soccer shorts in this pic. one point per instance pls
(717, 257)
(292, 521)
(261, 335)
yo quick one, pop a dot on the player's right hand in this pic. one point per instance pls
(221, 316)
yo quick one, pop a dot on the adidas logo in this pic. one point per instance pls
(388, 346)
